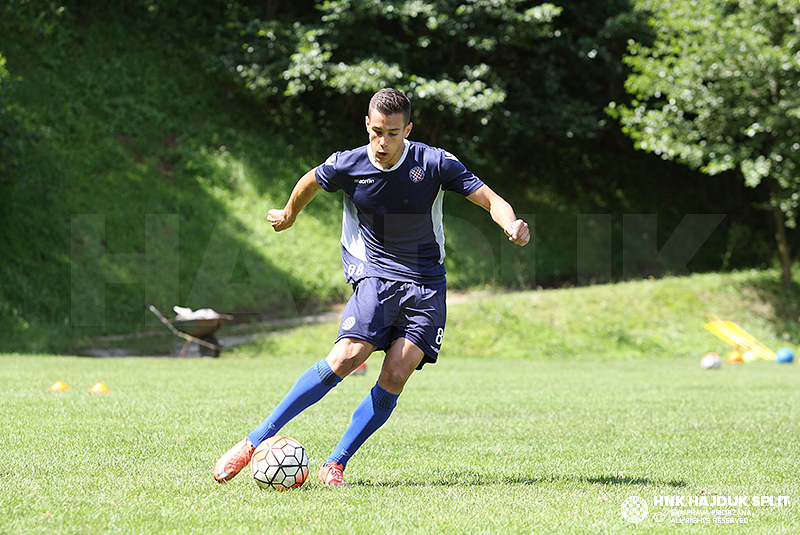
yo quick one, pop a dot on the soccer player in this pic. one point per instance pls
(392, 250)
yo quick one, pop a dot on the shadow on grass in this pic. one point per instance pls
(782, 303)
(474, 479)
(632, 481)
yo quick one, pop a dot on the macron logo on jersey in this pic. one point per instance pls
(364, 181)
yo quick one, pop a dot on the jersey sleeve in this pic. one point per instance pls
(327, 174)
(456, 177)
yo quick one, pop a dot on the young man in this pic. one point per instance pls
(393, 254)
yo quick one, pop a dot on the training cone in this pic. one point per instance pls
(735, 356)
(59, 385)
(99, 387)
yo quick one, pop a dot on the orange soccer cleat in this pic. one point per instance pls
(332, 474)
(233, 461)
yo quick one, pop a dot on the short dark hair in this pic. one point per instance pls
(390, 101)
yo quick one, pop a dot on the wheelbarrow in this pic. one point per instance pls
(198, 330)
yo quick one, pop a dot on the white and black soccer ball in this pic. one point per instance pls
(279, 463)
(711, 361)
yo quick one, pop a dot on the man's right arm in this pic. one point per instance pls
(305, 190)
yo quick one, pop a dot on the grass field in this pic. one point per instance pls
(479, 443)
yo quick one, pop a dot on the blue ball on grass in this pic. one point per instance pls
(784, 355)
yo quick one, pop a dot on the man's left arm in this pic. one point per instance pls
(502, 214)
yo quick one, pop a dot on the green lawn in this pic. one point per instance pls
(477, 444)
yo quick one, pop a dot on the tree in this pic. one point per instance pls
(486, 75)
(718, 88)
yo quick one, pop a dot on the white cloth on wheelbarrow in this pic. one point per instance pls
(200, 314)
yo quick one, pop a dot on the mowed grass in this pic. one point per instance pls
(482, 442)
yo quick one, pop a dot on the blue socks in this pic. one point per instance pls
(309, 388)
(371, 414)
(318, 380)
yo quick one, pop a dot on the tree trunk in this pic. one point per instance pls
(783, 248)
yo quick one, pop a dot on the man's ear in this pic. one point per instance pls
(409, 126)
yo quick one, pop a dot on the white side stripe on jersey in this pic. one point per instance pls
(351, 236)
(438, 225)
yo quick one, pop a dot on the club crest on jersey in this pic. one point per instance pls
(416, 174)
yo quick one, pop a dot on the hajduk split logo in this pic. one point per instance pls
(416, 174)
(634, 509)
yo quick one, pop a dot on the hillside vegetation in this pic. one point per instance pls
(140, 176)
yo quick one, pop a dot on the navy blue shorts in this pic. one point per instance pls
(381, 311)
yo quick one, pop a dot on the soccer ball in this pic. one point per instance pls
(784, 354)
(279, 463)
(710, 361)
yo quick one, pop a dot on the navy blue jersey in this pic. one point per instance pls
(392, 225)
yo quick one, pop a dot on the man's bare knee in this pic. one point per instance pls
(400, 362)
(348, 354)
(393, 381)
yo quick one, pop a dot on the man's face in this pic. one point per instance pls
(386, 135)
